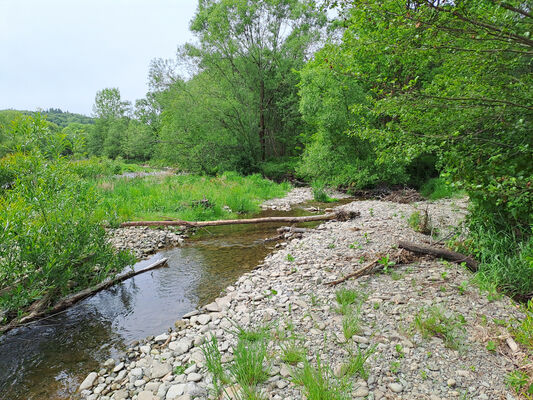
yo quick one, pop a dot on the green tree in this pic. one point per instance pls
(251, 48)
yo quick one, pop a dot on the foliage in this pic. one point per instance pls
(240, 106)
(505, 259)
(52, 240)
(320, 194)
(178, 196)
(524, 331)
(434, 321)
(438, 188)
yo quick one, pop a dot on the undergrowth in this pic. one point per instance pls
(188, 197)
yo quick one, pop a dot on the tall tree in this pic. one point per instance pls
(254, 46)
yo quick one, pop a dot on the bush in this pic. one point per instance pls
(53, 241)
(438, 188)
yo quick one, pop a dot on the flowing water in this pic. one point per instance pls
(49, 359)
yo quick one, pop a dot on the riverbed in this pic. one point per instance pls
(49, 358)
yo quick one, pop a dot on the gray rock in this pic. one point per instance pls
(395, 387)
(88, 381)
(194, 377)
(174, 391)
(213, 307)
(159, 370)
(161, 338)
(204, 319)
(118, 367)
(180, 347)
(145, 395)
(121, 395)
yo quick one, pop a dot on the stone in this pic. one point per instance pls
(109, 363)
(137, 372)
(118, 367)
(88, 381)
(159, 369)
(213, 307)
(361, 391)
(204, 319)
(194, 377)
(145, 348)
(285, 371)
(281, 384)
(395, 387)
(451, 382)
(152, 386)
(161, 338)
(120, 394)
(146, 395)
(180, 347)
(174, 391)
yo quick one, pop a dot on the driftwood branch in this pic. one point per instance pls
(339, 215)
(360, 272)
(37, 308)
(439, 252)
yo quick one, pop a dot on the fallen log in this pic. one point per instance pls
(68, 301)
(292, 229)
(338, 215)
(360, 272)
(441, 253)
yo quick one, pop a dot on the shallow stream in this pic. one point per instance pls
(48, 359)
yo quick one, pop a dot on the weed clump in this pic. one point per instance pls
(434, 321)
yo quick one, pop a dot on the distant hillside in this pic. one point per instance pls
(58, 116)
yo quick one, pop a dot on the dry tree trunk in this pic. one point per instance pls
(339, 216)
(37, 307)
(442, 253)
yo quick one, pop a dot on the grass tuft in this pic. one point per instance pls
(319, 383)
(434, 321)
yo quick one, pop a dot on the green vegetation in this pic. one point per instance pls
(434, 321)
(319, 383)
(351, 324)
(187, 197)
(520, 382)
(438, 188)
(52, 240)
(356, 362)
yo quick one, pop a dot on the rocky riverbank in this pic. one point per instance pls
(143, 241)
(393, 321)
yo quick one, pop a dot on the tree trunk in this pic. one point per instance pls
(442, 253)
(262, 129)
(36, 308)
(339, 215)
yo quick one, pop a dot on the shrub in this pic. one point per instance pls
(53, 241)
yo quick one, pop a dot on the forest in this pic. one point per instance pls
(348, 94)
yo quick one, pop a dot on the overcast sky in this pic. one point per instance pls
(58, 53)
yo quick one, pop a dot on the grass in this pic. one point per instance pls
(187, 197)
(248, 363)
(505, 261)
(438, 188)
(319, 383)
(356, 363)
(320, 194)
(520, 382)
(420, 222)
(434, 321)
(523, 333)
(260, 333)
(351, 324)
(292, 352)
(213, 362)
